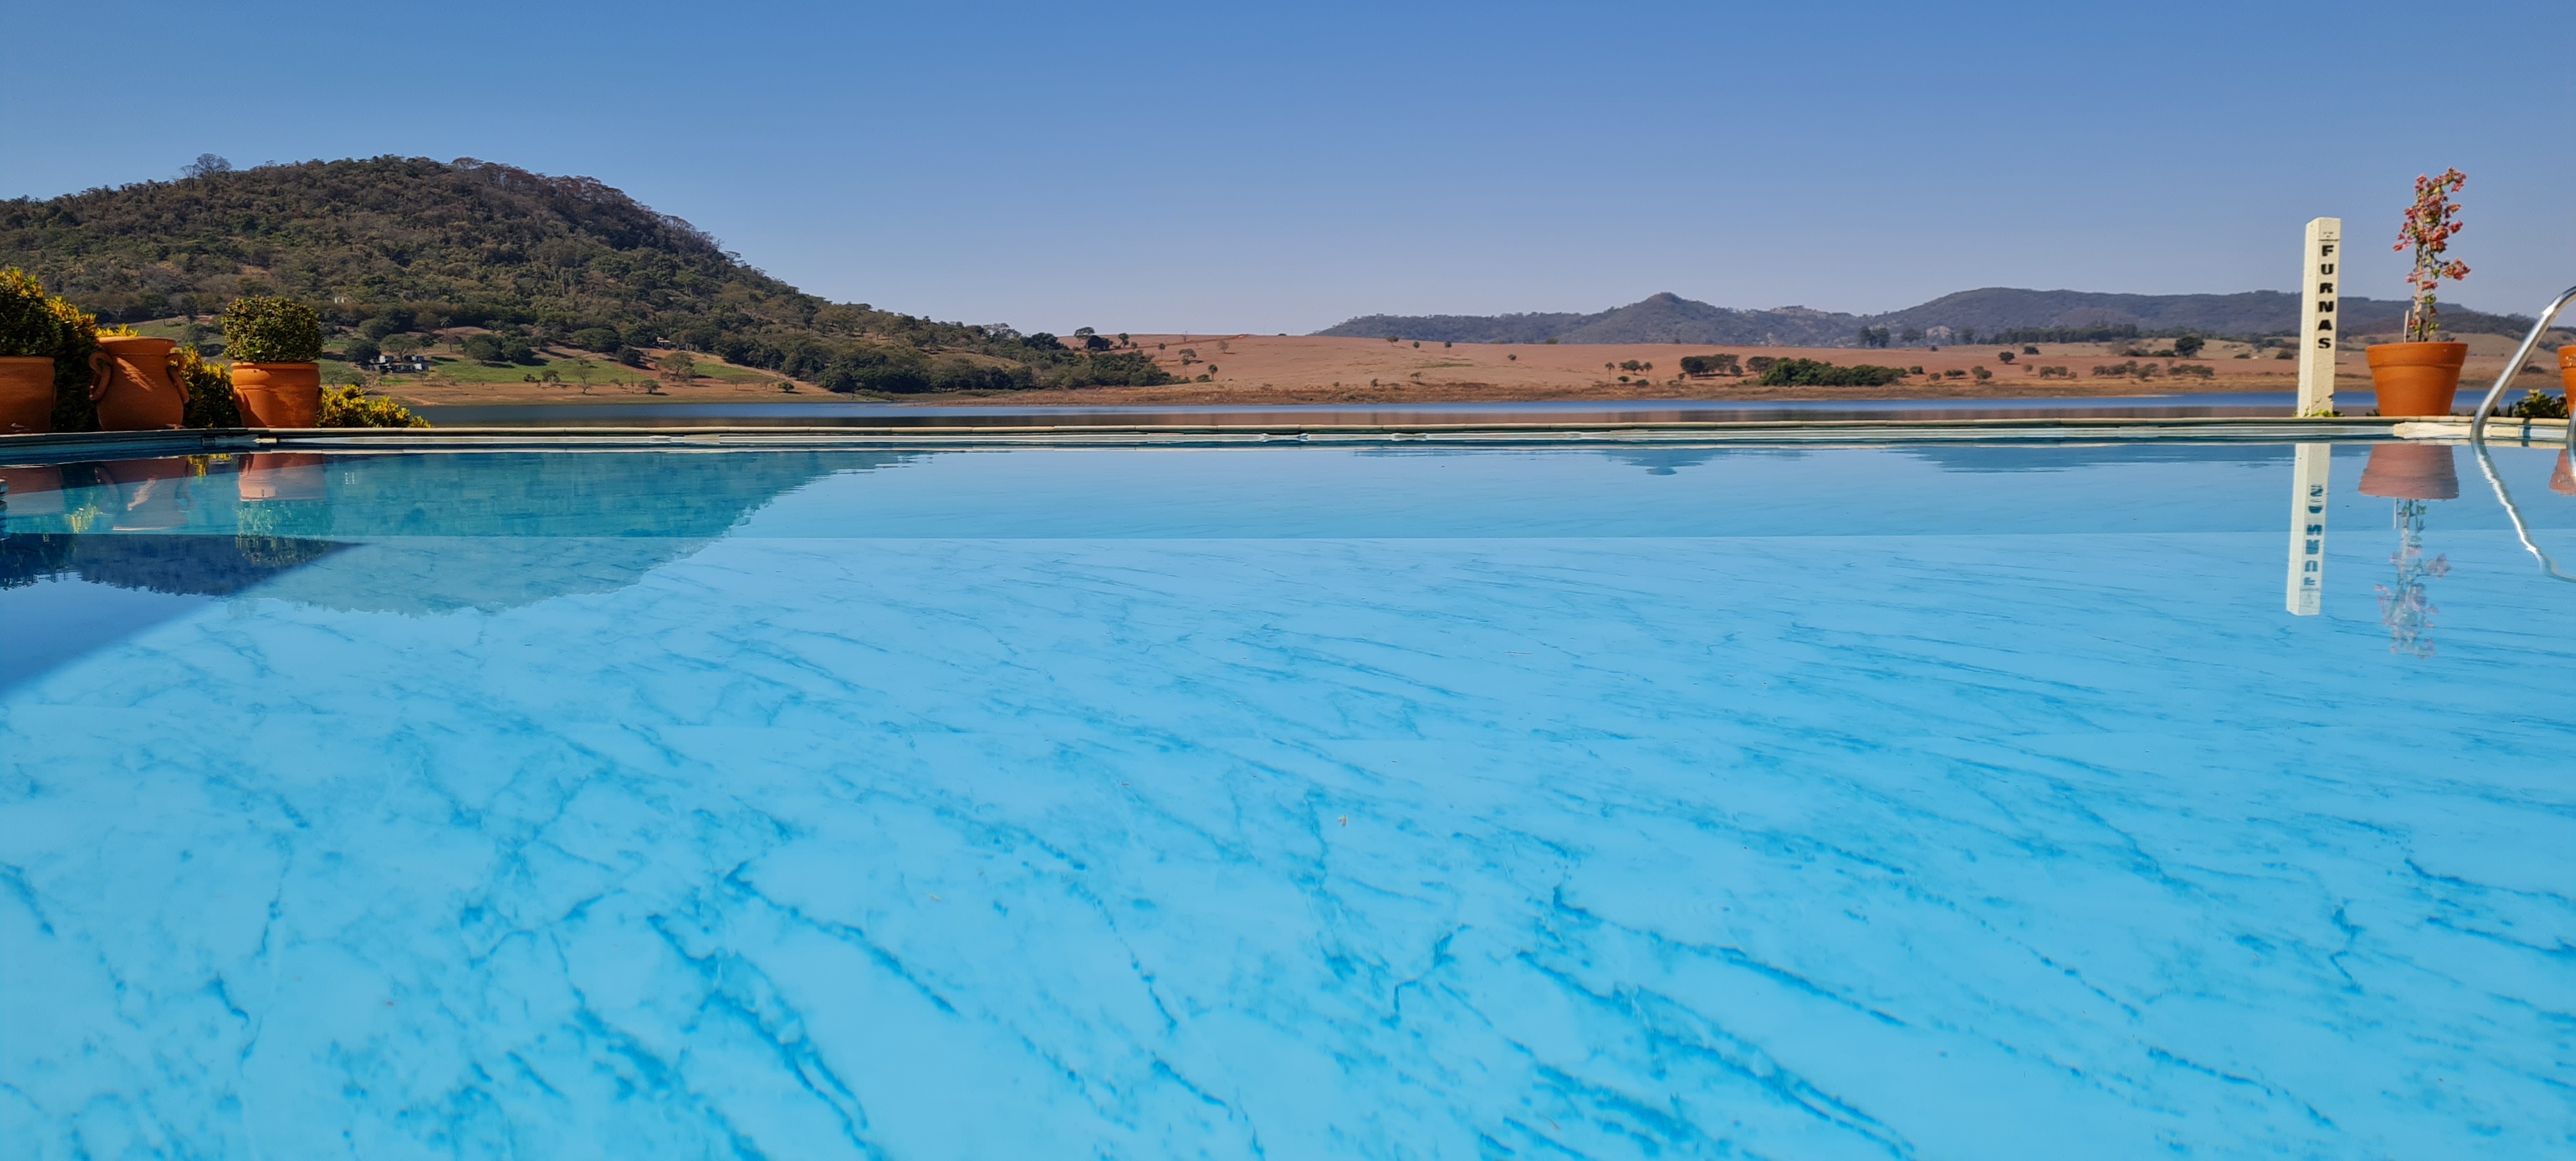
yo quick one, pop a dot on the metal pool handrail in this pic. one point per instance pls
(2513, 367)
(2478, 434)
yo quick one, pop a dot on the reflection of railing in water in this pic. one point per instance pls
(2486, 409)
(2512, 511)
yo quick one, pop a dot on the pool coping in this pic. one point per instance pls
(41, 448)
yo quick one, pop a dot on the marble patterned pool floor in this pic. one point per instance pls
(1869, 803)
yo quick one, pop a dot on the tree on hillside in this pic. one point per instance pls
(206, 165)
(2189, 346)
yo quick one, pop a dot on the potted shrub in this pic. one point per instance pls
(2420, 375)
(30, 338)
(48, 359)
(275, 344)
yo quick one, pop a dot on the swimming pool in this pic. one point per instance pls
(1912, 801)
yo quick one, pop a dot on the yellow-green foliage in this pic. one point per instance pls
(28, 330)
(74, 410)
(351, 407)
(209, 387)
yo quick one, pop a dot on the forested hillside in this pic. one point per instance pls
(392, 246)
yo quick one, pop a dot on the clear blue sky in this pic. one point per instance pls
(1279, 168)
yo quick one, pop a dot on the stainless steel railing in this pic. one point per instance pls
(2513, 367)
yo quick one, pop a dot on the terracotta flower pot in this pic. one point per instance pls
(2411, 471)
(281, 476)
(2567, 368)
(134, 389)
(27, 395)
(278, 394)
(2416, 378)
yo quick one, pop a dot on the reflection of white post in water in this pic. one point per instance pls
(2317, 281)
(2308, 491)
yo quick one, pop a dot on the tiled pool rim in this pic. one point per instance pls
(62, 447)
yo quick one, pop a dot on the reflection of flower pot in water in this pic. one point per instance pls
(134, 390)
(2561, 480)
(278, 394)
(148, 493)
(2416, 378)
(2411, 471)
(26, 395)
(33, 491)
(281, 476)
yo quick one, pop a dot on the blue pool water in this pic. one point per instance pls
(1932, 802)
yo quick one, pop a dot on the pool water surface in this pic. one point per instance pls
(1630, 801)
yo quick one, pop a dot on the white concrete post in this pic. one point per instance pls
(2317, 281)
(2310, 488)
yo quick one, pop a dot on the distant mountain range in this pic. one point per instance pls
(1991, 312)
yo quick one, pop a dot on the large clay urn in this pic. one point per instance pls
(134, 389)
(27, 395)
(2416, 378)
(2567, 368)
(278, 394)
(2411, 471)
(281, 476)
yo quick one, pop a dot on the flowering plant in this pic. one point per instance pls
(2430, 223)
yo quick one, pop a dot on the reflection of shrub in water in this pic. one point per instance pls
(266, 519)
(281, 552)
(31, 557)
(183, 565)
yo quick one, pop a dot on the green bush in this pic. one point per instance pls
(1818, 373)
(209, 387)
(1123, 370)
(2539, 405)
(361, 351)
(266, 329)
(484, 349)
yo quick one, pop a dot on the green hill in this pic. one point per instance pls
(390, 245)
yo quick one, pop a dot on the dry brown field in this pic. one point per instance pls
(1288, 369)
